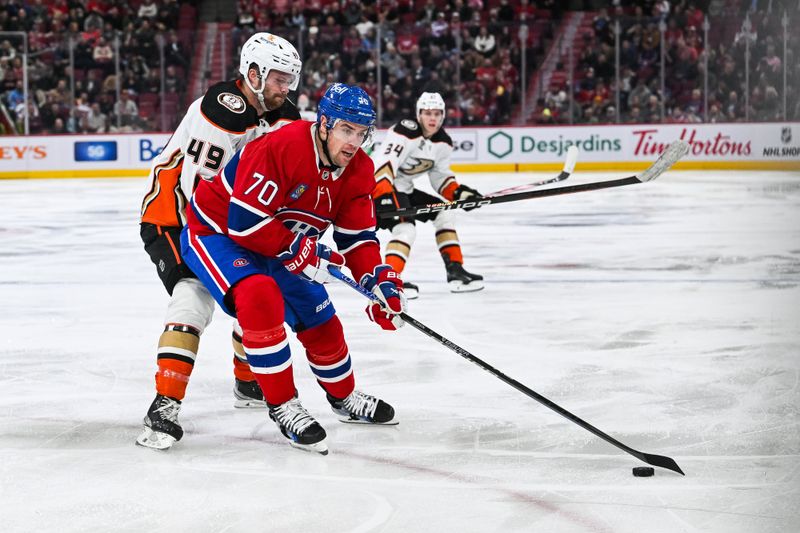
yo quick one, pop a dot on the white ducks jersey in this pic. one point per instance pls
(406, 155)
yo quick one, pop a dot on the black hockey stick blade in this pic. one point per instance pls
(669, 157)
(651, 459)
(662, 461)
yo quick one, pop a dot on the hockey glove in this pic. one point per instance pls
(386, 284)
(383, 203)
(309, 259)
(463, 192)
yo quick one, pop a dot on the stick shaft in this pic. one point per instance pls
(664, 162)
(513, 197)
(651, 459)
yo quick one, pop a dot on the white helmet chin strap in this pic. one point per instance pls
(258, 92)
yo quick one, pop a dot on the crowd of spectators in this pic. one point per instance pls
(470, 51)
(99, 35)
(467, 50)
(595, 75)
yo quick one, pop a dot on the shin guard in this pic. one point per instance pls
(241, 368)
(259, 309)
(447, 241)
(177, 351)
(329, 357)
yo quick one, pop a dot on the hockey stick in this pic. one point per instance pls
(569, 166)
(651, 459)
(669, 157)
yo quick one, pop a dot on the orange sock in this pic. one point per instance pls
(447, 241)
(177, 350)
(396, 262)
(397, 254)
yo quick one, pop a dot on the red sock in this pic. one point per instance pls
(259, 308)
(329, 357)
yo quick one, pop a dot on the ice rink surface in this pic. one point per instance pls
(666, 314)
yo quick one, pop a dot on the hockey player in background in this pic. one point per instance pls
(414, 148)
(228, 116)
(252, 238)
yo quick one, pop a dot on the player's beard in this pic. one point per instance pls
(274, 101)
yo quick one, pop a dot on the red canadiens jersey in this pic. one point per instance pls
(275, 188)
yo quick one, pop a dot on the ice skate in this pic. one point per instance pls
(459, 279)
(410, 290)
(161, 426)
(248, 395)
(360, 408)
(298, 426)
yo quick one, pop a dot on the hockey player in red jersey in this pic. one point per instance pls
(252, 238)
(229, 115)
(414, 148)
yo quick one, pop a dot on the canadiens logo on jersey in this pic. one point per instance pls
(233, 102)
(302, 221)
(298, 191)
(240, 262)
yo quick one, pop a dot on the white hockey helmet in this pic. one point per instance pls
(270, 52)
(430, 101)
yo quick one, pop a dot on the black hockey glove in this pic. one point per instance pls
(463, 192)
(390, 202)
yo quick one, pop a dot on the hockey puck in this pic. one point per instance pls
(643, 471)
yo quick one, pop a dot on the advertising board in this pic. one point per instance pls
(762, 146)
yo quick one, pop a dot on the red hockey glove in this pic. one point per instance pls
(309, 259)
(386, 284)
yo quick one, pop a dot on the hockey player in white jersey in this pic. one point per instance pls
(228, 116)
(411, 149)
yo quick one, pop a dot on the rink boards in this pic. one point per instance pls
(762, 146)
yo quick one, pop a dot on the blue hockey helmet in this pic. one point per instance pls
(346, 102)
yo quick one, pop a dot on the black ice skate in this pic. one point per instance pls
(248, 394)
(360, 408)
(161, 426)
(411, 290)
(298, 426)
(459, 279)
